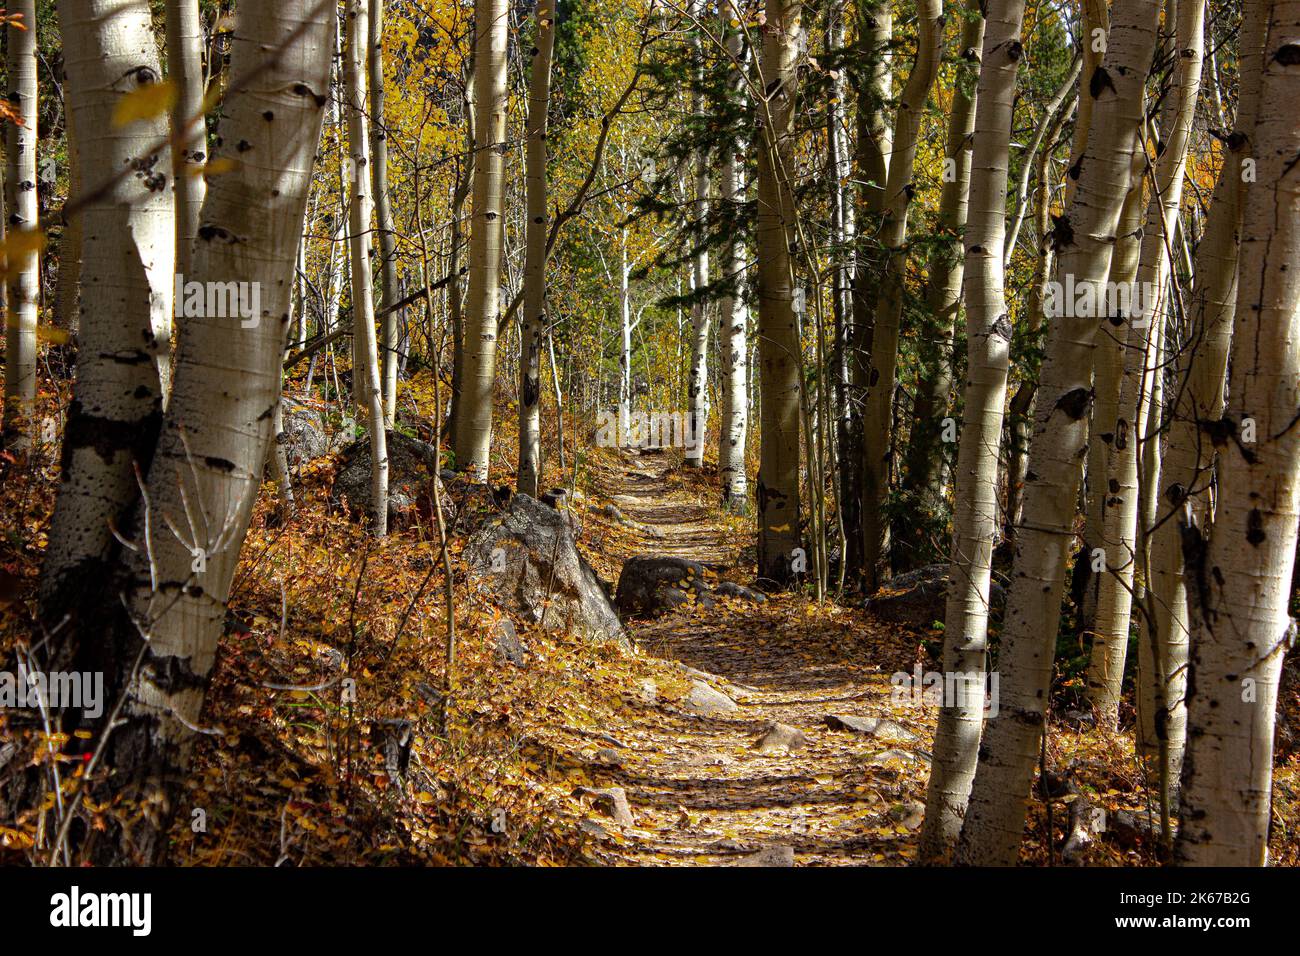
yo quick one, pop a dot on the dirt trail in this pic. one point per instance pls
(700, 791)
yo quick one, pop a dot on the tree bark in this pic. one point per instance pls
(779, 350)
(877, 416)
(733, 320)
(127, 277)
(924, 468)
(21, 212)
(1188, 459)
(996, 815)
(365, 350)
(534, 316)
(1242, 574)
(473, 430)
(1141, 366)
(189, 153)
(394, 321)
(988, 341)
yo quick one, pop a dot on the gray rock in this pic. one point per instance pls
(706, 701)
(647, 691)
(609, 757)
(886, 757)
(781, 737)
(412, 468)
(880, 727)
(509, 647)
(910, 815)
(732, 589)
(769, 856)
(304, 437)
(612, 802)
(650, 585)
(525, 559)
(919, 598)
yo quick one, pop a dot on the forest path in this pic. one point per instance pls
(700, 790)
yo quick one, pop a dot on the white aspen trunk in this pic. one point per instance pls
(532, 325)
(733, 317)
(393, 321)
(975, 516)
(996, 814)
(21, 212)
(624, 344)
(206, 473)
(1141, 367)
(1096, 25)
(127, 276)
(1242, 575)
(189, 155)
(697, 389)
(1188, 458)
(872, 151)
(65, 308)
(360, 207)
(779, 351)
(877, 417)
(1021, 409)
(925, 465)
(473, 429)
(1107, 379)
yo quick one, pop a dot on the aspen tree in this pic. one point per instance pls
(534, 315)
(988, 341)
(924, 466)
(733, 318)
(1141, 366)
(127, 277)
(877, 416)
(392, 322)
(473, 429)
(360, 207)
(779, 350)
(1188, 459)
(697, 411)
(190, 148)
(1085, 236)
(21, 212)
(207, 469)
(1241, 628)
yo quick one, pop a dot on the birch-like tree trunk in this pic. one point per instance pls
(1188, 458)
(1085, 237)
(21, 212)
(190, 151)
(127, 277)
(207, 470)
(874, 141)
(988, 346)
(1242, 574)
(65, 297)
(1020, 411)
(393, 320)
(473, 430)
(365, 370)
(697, 394)
(733, 318)
(1141, 366)
(532, 326)
(877, 416)
(779, 350)
(925, 460)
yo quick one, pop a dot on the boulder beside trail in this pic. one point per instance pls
(525, 559)
(412, 470)
(650, 585)
(919, 598)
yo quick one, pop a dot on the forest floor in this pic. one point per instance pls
(515, 767)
